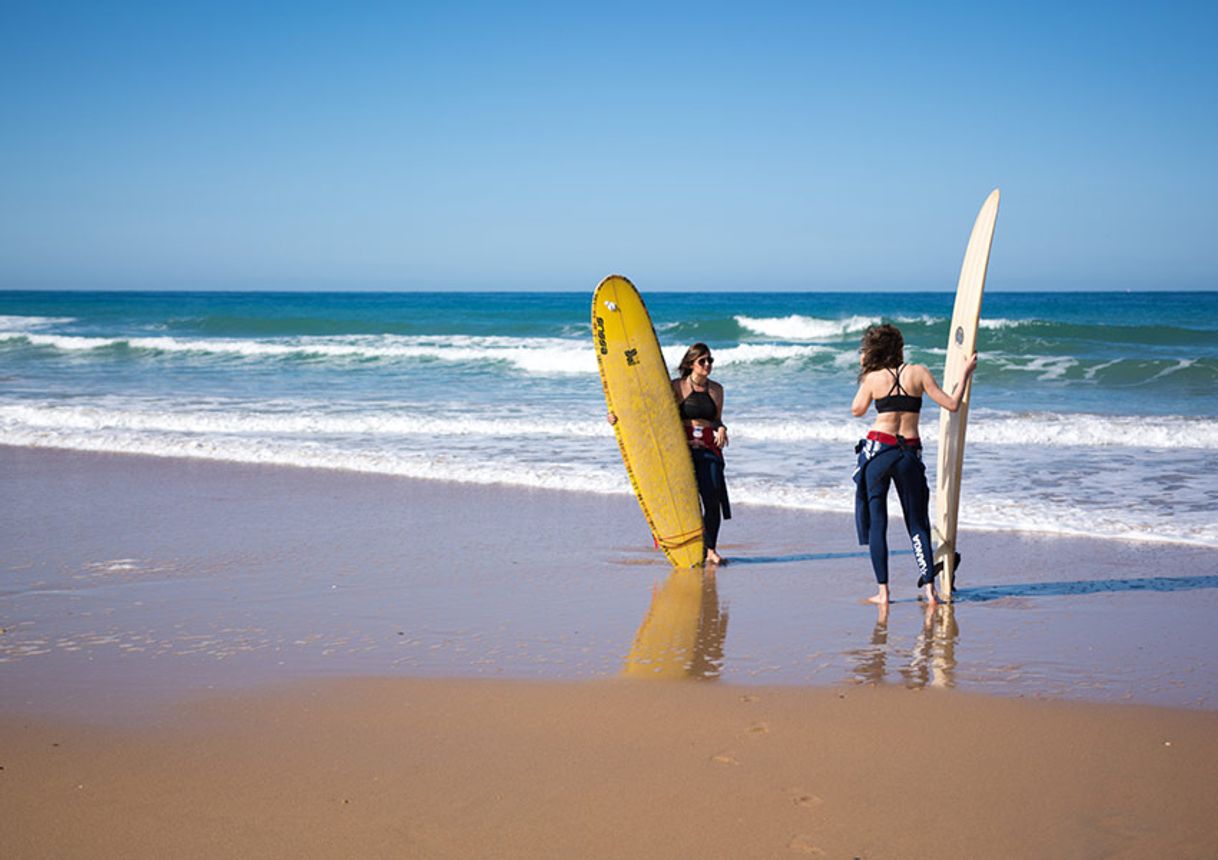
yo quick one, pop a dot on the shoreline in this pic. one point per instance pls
(626, 492)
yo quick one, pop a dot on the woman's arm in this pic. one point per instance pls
(862, 401)
(716, 394)
(950, 402)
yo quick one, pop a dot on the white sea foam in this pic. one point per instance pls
(773, 461)
(10, 323)
(67, 343)
(987, 427)
(470, 468)
(1047, 367)
(1092, 371)
(439, 421)
(999, 323)
(285, 420)
(543, 356)
(534, 355)
(762, 353)
(990, 511)
(922, 319)
(1178, 366)
(796, 327)
(986, 510)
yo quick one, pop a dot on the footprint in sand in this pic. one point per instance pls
(759, 728)
(724, 758)
(807, 801)
(805, 845)
(750, 698)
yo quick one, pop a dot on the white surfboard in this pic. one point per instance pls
(961, 343)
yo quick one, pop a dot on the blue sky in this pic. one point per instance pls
(541, 146)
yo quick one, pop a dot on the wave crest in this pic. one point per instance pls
(796, 327)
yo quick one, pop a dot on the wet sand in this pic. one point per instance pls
(126, 578)
(201, 659)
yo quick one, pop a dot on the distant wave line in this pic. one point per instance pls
(24, 323)
(538, 355)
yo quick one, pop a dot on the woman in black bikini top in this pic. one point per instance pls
(700, 404)
(892, 452)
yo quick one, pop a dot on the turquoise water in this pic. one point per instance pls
(1093, 413)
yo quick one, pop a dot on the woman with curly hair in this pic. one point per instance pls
(892, 451)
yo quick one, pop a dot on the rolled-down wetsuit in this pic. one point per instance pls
(883, 460)
(708, 464)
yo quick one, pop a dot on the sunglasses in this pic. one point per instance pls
(705, 361)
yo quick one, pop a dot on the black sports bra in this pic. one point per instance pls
(897, 399)
(698, 405)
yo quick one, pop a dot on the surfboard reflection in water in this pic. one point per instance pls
(682, 634)
(931, 662)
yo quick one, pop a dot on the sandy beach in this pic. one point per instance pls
(203, 659)
(447, 768)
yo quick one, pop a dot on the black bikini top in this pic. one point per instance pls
(897, 399)
(698, 405)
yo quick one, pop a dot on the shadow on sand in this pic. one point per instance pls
(980, 594)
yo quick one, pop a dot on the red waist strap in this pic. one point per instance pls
(706, 435)
(889, 439)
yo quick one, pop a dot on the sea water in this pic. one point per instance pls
(1092, 413)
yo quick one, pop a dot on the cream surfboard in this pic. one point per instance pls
(961, 344)
(648, 428)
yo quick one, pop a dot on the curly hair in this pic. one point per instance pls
(882, 347)
(695, 352)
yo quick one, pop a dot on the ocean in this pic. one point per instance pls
(1092, 414)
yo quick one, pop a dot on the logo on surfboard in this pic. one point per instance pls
(600, 336)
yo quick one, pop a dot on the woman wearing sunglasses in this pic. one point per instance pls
(700, 403)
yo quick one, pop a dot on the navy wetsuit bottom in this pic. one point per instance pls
(712, 489)
(900, 465)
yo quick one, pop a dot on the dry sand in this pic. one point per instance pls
(208, 660)
(449, 768)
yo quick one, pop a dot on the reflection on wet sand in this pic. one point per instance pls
(931, 662)
(682, 634)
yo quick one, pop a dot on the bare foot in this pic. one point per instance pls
(928, 594)
(713, 557)
(880, 598)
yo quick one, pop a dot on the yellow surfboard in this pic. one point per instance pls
(648, 428)
(961, 343)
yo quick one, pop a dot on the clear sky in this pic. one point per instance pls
(799, 145)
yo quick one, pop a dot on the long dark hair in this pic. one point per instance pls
(695, 352)
(882, 347)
